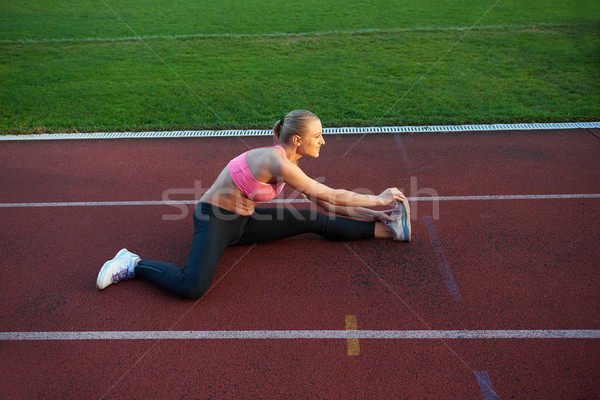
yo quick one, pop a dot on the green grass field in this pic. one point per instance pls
(77, 65)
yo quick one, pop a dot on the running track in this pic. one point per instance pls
(496, 297)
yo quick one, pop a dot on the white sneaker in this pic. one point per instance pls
(401, 223)
(117, 269)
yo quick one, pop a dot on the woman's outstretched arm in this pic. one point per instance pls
(296, 178)
(360, 213)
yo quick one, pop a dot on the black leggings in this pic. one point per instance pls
(215, 229)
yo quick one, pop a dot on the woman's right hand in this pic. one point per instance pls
(391, 194)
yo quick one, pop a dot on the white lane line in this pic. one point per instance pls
(129, 203)
(509, 197)
(297, 201)
(303, 334)
(326, 131)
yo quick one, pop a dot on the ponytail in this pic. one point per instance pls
(277, 130)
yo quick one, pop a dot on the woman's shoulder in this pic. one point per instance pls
(263, 159)
(276, 152)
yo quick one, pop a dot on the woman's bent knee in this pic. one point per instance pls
(193, 291)
(192, 294)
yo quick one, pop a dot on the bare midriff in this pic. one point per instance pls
(225, 194)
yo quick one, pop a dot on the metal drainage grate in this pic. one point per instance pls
(327, 131)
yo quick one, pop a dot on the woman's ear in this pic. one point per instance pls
(296, 140)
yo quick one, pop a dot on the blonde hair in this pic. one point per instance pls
(293, 124)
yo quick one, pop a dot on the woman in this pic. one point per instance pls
(227, 215)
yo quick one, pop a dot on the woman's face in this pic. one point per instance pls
(312, 138)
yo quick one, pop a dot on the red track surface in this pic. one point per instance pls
(518, 264)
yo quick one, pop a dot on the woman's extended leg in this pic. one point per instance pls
(279, 223)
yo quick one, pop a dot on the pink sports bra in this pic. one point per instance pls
(247, 183)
